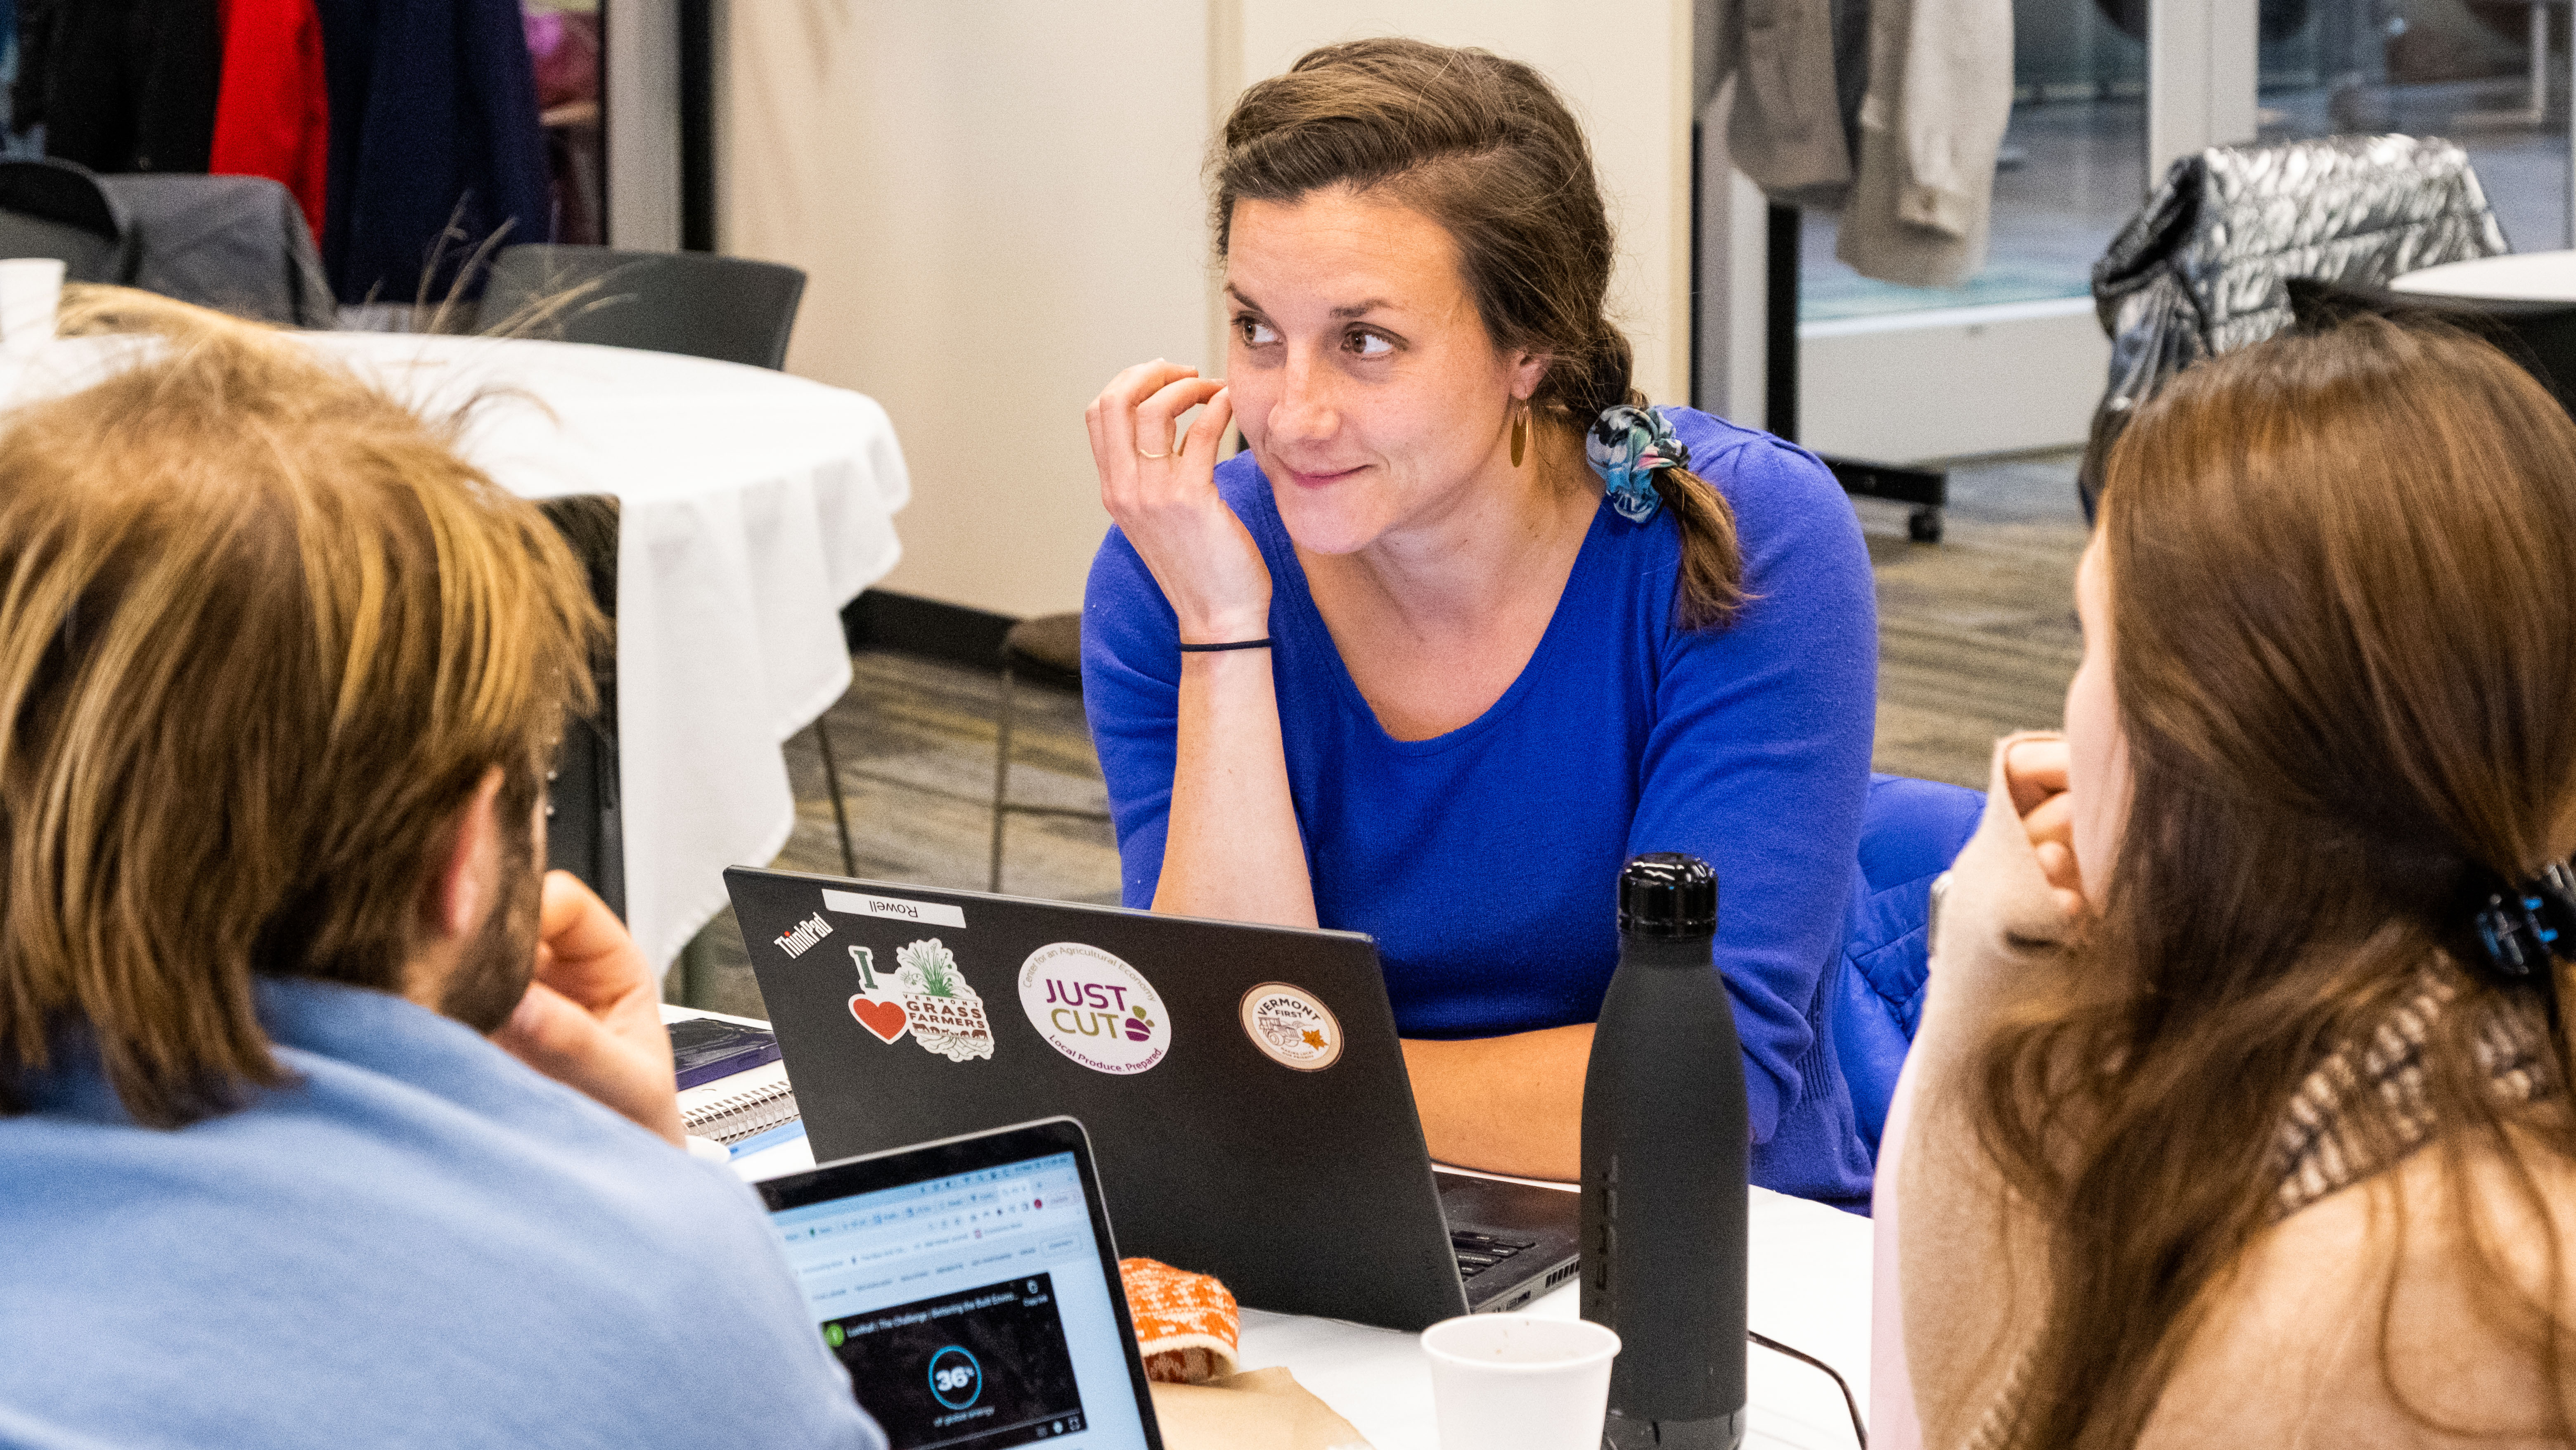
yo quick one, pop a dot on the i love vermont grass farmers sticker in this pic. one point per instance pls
(927, 997)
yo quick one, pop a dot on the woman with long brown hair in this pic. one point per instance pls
(2239, 1111)
(1467, 624)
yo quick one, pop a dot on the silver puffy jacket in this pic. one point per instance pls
(2204, 265)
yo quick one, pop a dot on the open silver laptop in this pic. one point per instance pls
(971, 1289)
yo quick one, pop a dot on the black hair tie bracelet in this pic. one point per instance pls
(1200, 649)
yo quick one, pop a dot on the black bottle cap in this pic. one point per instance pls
(1668, 894)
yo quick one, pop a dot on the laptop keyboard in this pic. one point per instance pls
(1478, 1252)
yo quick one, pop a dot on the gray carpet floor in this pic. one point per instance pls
(1977, 637)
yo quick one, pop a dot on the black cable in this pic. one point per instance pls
(1860, 1431)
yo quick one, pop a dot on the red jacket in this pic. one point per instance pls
(273, 115)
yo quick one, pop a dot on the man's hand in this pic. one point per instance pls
(592, 1018)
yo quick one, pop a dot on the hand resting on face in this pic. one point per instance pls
(1162, 494)
(592, 1016)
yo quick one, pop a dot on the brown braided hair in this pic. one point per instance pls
(1485, 147)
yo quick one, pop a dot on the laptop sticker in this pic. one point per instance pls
(1094, 1008)
(927, 996)
(879, 1002)
(860, 903)
(1292, 1027)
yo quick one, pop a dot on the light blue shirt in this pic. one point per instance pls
(418, 1242)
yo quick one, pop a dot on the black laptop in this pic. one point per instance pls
(971, 1289)
(1243, 1085)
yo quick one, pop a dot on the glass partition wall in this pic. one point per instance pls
(2102, 89)
(2072, 169)
(564, 44)
(2489, 74)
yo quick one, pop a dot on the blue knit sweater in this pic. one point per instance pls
(1483, 861)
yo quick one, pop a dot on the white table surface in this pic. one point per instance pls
(753, 505)
(1809, 1289)
(2523, 276)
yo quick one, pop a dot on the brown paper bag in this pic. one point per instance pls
(1262, 1409)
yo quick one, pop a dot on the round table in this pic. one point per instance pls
(2515, 276)
(753, 505)
(1809, 1287)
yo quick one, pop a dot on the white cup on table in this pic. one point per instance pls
(1519, 1382)
(31, 293)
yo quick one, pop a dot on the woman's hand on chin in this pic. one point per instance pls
(1162, 494)
(2011, 901)
(2035, 767)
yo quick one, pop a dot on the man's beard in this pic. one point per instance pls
(492, 974)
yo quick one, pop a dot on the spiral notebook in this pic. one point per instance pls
(733, 1088)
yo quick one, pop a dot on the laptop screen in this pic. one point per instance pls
(972, 1310)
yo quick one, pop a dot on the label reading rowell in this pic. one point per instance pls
(859, 903)
(1094, 1008)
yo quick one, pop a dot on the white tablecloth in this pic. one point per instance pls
(754, 506)
(2525, 276)
(1809, 1289)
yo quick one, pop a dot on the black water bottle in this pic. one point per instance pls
(1665, 1148)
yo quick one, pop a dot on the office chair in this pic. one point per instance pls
(1048, 650)
(691, 303)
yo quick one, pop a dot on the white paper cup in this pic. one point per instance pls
(31, 292)
(1519, 1382)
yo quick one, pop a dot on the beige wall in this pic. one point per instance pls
(997, 203)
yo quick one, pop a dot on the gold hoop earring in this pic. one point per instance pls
(1520, 435)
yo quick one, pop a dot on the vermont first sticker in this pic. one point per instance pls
(1094, 1008)
(1292, 1027)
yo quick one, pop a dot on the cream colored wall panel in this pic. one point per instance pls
(1947, 383)
(1624, 65)
(997, 204)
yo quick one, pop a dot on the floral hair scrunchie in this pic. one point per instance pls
(1625, 446)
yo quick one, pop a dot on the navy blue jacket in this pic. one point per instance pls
(433, 123)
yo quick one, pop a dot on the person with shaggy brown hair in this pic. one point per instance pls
(326, 1117)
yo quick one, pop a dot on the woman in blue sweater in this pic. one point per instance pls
(1465, 626)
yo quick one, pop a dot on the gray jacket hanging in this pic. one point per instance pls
(1889, 111)
(1940, 95)
(1786, 127)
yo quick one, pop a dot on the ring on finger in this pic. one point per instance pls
(1141, 453)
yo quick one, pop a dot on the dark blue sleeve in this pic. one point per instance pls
(1131, 690)
(502, 86)
(1758, 760)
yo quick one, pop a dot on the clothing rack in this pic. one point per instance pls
(1928, 489)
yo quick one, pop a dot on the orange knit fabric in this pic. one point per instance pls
(1186, 1324)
